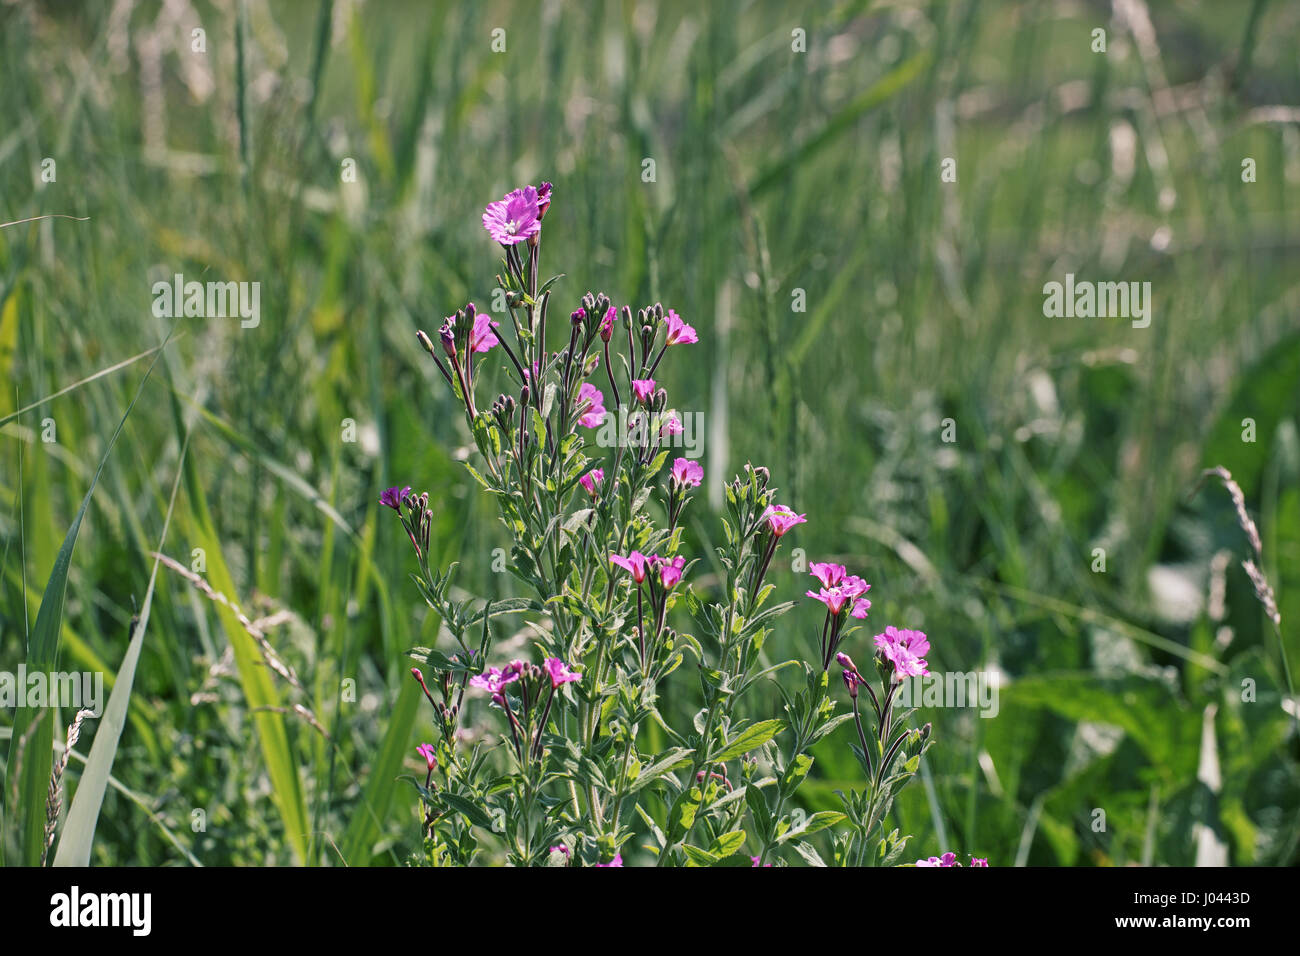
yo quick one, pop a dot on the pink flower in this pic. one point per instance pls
(617, 861)
(687, 473)
(679, 333)
(494, 679)
(830, 575)
(643, 389)
(847, 592)
(948, 859)
(561, 848)
(671, 425)
(560, 673)
(635, 564)
(592, 480)
(834, 598)
(393, 497)
(607, 324)
(426, 751)
(904, 649)
(481, 337)
(543, 199)
(670, 572)
(781, 519)
(755, 863)
(593, 402)
(515, 217)
(979, 861)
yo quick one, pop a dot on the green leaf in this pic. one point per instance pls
(468, 809)
(504, 606)
(728, 843)
(83, 814)
(698, 857)
(809, 854)
(750, 738)
(681, 816)
(673, 759)
(818, 821)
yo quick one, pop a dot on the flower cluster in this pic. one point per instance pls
(950, 859)
(597, 539)
(842, 593)
(531, 682)
(905, 650)
(659, 576)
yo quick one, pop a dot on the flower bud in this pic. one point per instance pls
(577, 316)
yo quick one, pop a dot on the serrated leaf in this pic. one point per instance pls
(809, 854)
(750, 738)
(468, 809)
(698, 857)
(727, 843)
(818, 821)
(670, 761)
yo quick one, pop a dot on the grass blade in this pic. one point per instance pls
(42, 656)
(79, 827)
(254, 678)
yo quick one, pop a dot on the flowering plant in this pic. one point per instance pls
(587, 761)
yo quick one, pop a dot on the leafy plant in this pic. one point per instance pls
(586, 758)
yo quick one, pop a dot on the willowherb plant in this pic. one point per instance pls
(586, 759)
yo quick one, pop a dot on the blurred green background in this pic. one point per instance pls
(848, 301)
